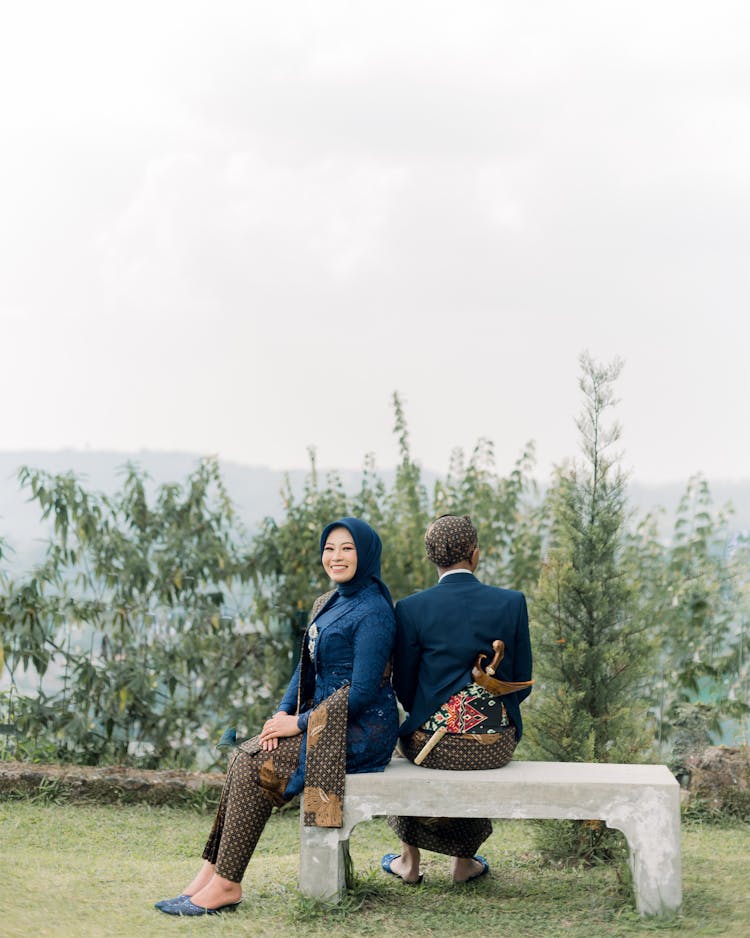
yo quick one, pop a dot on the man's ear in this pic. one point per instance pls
(474, 559)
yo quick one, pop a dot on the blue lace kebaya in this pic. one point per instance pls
(351, 642)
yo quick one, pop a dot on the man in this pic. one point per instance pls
(470, 717)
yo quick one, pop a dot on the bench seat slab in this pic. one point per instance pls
(642, 801)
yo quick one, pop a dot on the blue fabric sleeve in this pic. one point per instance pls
(372, 644)
(303, 719)
(289, 700)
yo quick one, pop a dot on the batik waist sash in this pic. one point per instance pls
(472, 710)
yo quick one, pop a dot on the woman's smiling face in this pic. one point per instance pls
(340, 556)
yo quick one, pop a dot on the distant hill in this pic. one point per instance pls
(667, 496)
(255, 490)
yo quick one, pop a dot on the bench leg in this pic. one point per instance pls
(323, 861)
(652, 830)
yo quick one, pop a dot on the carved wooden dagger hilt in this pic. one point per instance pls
(499, 649)
(487, 678)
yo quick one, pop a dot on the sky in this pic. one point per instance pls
(236, 228)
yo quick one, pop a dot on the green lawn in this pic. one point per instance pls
(96, 870)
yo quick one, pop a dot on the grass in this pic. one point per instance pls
(96, 870)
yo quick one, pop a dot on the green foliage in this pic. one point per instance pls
(696, 588)
(581, 842)
(507, 512)
(591, 649)
(706, 620)
(154, 622)
(405, 516)
(732, 807)
(134, 604)
(50, 791)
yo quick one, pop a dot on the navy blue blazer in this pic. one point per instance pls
(440, 631)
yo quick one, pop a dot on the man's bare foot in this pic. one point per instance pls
(217, 892)
(465, 868)
(407, 864)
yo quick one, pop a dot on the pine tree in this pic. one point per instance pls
(588, 644)
(406, 514)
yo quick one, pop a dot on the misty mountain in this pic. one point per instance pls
(255, 490)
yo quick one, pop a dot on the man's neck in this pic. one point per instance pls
(457, 568)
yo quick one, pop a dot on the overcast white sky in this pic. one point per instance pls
(238, 227)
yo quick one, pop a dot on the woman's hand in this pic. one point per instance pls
(280, 724)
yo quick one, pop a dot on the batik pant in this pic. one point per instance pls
(255, 783)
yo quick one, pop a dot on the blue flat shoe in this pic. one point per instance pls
(186, 907)
(483, 872)
(385, 865)
(177, 899)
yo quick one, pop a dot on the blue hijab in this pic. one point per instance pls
(368, 547)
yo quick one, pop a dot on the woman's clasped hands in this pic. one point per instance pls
(280, 724)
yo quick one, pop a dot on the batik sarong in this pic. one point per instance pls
(479, 735)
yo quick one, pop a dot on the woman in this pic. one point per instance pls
(342, 680)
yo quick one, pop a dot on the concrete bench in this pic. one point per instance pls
(642, 801)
